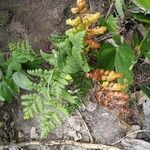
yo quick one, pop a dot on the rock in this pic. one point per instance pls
(133, 129)
(146, 110)
(135, 144)
(104, 125)
(91, 106)
(33, 133)
(36, 21)
(73, 128)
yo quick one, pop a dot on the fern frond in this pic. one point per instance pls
(53, 101)
(50, 99)
(50, 58)
(22, 51)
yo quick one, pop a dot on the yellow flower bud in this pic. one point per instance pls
(74, 22)
(89, 19)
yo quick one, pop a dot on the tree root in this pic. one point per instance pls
(60, 142)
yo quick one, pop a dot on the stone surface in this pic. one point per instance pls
(36, 20)
(135, 144)
(104, 125)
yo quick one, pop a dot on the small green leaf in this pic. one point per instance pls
(21, 80)
(5, 92)
(145, 44)
(146, 90)
(124, 61)
(144, 4)
(112, 24)
(119, 7)
(142, 17)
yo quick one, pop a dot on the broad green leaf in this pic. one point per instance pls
(102, 21)
(146, 90)
(142, 17)
(21, 80)
(124, 61)
(145, 44)
(144, 4)
(119, 7)
(5, 92)
(122, 58)
(111, 24)
(106, 57)
(118, 39)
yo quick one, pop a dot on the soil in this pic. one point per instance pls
(35, 20)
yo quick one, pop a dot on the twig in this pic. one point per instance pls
(90, 136)
(60, 142)
(138, 131)
(109, 35)
(110, 9)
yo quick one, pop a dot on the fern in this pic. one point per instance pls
(51, 99)
(21, 51)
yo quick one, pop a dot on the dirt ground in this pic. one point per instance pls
(36, 20)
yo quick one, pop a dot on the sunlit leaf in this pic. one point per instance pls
(21, 80)
(144, 4)
(119, 7)
(111, 24)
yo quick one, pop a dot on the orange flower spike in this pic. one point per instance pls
(113, 86)
(95, 75)
(81, 4)
(92, 43)
(89, 19)
(81, 7)
(96, 31)
(111, 76)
